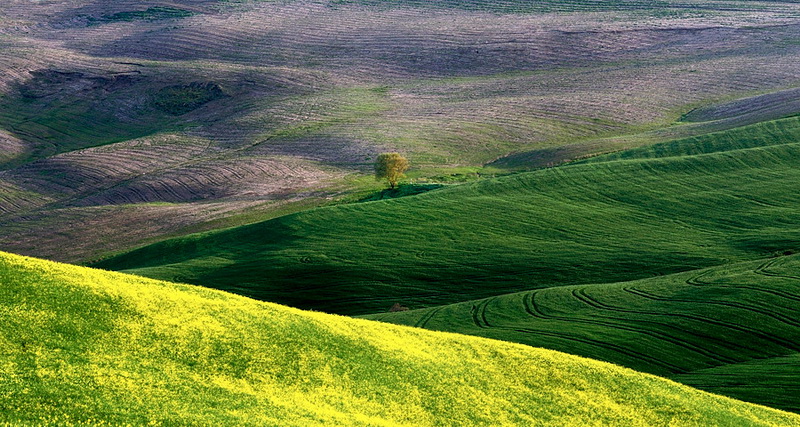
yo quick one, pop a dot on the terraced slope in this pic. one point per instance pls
(786, 102)
(732, 330)
(304, 94)
(80, 346)
(698, 131)
(762, 134)
(588, 223)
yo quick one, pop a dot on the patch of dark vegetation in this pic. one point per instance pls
(541, 158)
(398, 307)
(181, 99)
(463, 177)
(150, 14)
(56, 111)
(401, 191)
(48, 83)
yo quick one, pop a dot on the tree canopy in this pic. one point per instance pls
(390, 166)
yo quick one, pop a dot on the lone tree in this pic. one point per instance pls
(390, 166)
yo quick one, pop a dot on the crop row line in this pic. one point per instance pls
(531, 307)
(581, 295)
(779, 317)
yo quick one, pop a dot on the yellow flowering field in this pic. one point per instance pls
(87, 347)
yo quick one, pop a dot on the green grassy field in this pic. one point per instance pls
(289, 102)
(86, 347)
(589, 223)
(772, 380)
(64, 126)
(732, 330)
(763, 134)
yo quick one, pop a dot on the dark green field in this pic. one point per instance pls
(588, 223)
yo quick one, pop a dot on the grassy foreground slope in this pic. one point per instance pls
(81, 346)
(732, 330)
(589, 223)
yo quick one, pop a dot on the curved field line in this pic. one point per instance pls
(779, 317)
(762, 270)
(532, 308)
(479, 318)
(581, 295)
(427, 317)
(696, 281)
(483, 312)
(478, 312)
(608, 346)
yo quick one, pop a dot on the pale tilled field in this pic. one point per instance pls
(174, 115)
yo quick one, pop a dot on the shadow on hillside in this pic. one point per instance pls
(402, 190)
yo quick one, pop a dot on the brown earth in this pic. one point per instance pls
(91, 161)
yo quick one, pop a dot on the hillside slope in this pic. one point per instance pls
(560, 226)
(252, 109)
(763, 134)
(732, 330)
(81, 346)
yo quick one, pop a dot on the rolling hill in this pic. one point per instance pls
(81, 346)
(578, 224)
(732, 330)
(624, 234)
(178, 116)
